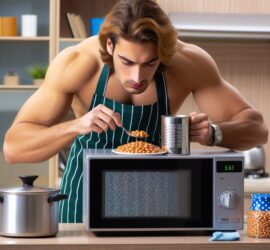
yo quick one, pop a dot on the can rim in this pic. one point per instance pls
(175, 116)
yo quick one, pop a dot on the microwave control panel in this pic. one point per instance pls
(228, 210)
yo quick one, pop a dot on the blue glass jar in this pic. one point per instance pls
(258, 217)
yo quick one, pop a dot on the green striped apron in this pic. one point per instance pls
(146, 117)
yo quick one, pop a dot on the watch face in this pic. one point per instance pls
(218, 135)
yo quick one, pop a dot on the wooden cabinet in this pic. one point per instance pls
(86, 9)
(18, 52)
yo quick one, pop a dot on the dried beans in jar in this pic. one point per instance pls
(258, 217)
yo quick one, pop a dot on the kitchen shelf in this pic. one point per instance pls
(222, 26)
(24, 39)
(14, 87)
(17, 53)
(68, 39)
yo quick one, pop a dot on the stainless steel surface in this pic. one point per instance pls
(254, 159)
(28, 216)
(29, 211)
(175, 134)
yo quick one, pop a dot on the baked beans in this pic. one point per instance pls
(139, 147)
(258, 224)
(139, 133)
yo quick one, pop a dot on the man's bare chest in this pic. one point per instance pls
(175, 91)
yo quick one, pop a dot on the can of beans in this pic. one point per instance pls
(258, 217)
(175, 134)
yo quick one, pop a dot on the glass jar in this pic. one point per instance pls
(258, 217)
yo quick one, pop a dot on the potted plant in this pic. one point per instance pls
(37, 71)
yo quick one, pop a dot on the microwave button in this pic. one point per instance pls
(223, 219)
(228, 199)
(235, 219)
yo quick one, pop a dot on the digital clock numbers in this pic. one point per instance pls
(229, 166)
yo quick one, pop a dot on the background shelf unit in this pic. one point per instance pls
(244, 63)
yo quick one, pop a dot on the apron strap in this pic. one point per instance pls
(162, 97)
(103, 80)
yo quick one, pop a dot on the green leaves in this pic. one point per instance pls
(37, 70)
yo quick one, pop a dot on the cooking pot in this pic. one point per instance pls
(29, 211)
(254, 159)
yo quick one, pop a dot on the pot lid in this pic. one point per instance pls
(28, 187)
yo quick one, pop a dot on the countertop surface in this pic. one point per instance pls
(74, 236)
(261, 185)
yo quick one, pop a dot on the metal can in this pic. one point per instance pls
(175, 134)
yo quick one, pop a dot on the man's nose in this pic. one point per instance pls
(137, 75)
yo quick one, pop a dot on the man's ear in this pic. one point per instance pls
(109, 46)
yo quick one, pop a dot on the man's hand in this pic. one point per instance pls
(99, 120)
(200, 129)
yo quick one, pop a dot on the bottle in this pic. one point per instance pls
(258, 217)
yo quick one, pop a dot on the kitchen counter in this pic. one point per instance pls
(74, 236)
(261, 185)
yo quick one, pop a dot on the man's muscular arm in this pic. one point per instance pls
(37, 132)
(241, 124)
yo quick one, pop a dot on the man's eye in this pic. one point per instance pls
(151, 64)
(127, 62)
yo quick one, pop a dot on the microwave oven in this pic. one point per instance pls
(200, 191)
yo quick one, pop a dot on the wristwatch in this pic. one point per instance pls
(217, 135)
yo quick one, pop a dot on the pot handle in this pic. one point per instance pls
(57, 197)
(1, 199)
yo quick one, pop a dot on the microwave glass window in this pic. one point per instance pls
(147, 194)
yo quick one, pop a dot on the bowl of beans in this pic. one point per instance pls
(139, 147)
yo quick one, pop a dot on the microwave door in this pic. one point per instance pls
(147, 194)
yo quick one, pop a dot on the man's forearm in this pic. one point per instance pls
(244, 131)
(26, 142)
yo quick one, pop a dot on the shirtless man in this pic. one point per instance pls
(134, 72)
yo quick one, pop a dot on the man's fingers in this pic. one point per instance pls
(97, 129)
(200, 125)
(115, 116)
(193, 113)
(198, 118)
(108, 120)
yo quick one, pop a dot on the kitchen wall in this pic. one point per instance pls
(214, 6)
(244, 64)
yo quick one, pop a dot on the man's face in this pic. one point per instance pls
(134, 63)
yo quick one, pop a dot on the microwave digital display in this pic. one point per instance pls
(147, 193)
(229, 166)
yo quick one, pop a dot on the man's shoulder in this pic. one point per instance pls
(76, 65)
(189, 56)
(88, 48)
(192, 65)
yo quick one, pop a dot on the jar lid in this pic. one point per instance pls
(28, 187)
(260, 202)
